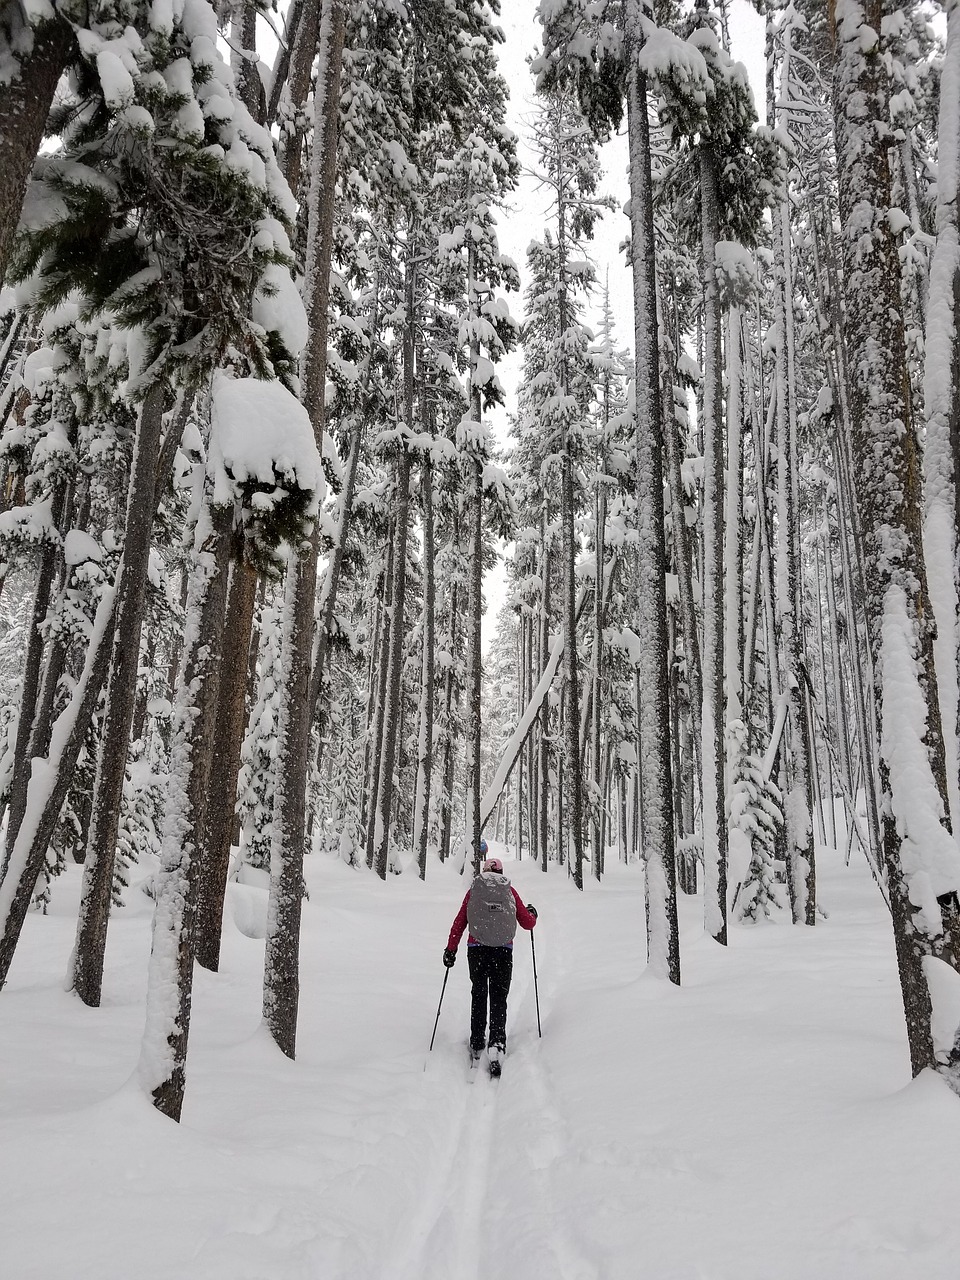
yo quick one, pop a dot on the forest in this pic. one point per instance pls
(254, 479)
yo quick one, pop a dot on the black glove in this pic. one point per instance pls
(449, 958)
(532, 909)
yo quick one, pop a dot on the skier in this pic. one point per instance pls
(493, 909)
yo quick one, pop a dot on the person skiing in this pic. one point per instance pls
(493, 909)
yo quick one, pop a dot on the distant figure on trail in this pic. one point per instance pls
(493, 909)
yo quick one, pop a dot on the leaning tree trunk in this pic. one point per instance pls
(281, 978)
(119, 706)
(51, 778)
(30, 688)
(919, 853)
(663, 944)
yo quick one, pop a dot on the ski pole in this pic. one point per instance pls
(536, 992)
(446, 975)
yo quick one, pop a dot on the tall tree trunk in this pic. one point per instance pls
(391, 692)
(30, 688)
(427, 679)
(920, 855)
(118, 708)
(296, 74)
(475, 659)
(227, 747)
(25, 102)
(163, 1054)
(663, 945)
(713, 778)
(941, 395)
(50, 779)
(376, 705)
(801, 870)
(281, 983)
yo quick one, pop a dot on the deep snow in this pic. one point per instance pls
(757, 1124)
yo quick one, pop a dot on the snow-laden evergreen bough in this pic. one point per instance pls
(118, 219)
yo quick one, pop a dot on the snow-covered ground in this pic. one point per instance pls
(757, 1124)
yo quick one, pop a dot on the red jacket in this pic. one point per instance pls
(524, 919)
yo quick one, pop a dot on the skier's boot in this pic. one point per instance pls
(474, 1055)
(495, 1059)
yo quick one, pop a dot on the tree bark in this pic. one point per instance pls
(119, 705)
(663, 945)
(170, 982)
(920, 854)
(24, 106)
(225, 765)
(281, 983)
(713, 781)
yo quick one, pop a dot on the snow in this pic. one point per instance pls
(758, 1122)
(115, 80)
(944, 984)
(277, 305)
(260, 431)
(928, 853)
(79, 546)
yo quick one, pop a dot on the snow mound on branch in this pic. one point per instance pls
(666, 55)
(261, 433)
(736, 272)
(78, 547)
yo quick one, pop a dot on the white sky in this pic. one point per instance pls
(525, 219)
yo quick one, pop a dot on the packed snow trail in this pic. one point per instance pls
(758, 1123)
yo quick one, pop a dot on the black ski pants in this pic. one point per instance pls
(491, 969)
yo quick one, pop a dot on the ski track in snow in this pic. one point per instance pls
(757, 1124)
(449, 1213)
(464, 1206)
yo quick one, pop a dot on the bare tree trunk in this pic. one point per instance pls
(920, 854)
(25, 103)
(801, 867)
(475, 660)
(50, 782)
(297, 77)
(281, 986)
(30, 689)
(713, 790)
(663, 944)
(163, 1056)
(376, 698)
(391, 691)
(427, 679)
(118, 708)
(225, 766)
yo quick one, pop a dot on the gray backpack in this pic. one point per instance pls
(492, 910)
